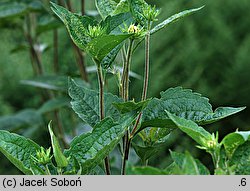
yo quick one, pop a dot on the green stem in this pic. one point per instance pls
(144, 94)
(47, 170)
(101, 105)
(146, 74)
(126, 68)
(125, 96)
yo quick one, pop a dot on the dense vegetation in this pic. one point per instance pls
(207, 52)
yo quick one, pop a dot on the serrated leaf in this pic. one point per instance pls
(233, 140)
(186, 104)
(136, 8)
(75, 24)
(12, 9)
(188, 165)
(173, 19)
(241, 159)
(91, 148)
(18, 150)
(54, 104)
(197, 133)
(105, 7)
(101, 46)
(85, 103)
(126, 107)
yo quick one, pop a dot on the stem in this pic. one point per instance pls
(47, 170)
(216, 157)
(146, 74)
(125, 96)
(34, 54)
(144, 96)
(56, 60)
(83, 7)
(101, 91)
(126, 68)
(125, 155)
(101, 105)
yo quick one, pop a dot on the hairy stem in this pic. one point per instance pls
(144, 96)
(125, 96)
(101, 105)
(146, 73)
(126, 68)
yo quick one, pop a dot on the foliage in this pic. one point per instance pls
(114, 121)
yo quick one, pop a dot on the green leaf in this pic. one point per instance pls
(101, 46)
(22, 119)
(109, 59)
(126, 107)
(186, 104)
(18, 150)
(91, 148)
(188, 165)
(173, 19)
(75, 24)
(105, 7)
(241, 159)
(146, 152)
(54, 104)
(60, 159)
(136, 8)
(122, 7)
(12, 9)
(197, 133)
(113, 24)
(36, 169)
(233, 140)
(156, 136)
(85, 103)
(145, 170)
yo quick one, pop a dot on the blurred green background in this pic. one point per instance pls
(208, 52)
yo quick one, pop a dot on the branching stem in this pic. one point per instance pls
(144, 97)
(126, 68)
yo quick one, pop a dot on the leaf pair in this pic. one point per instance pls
(100, 47)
